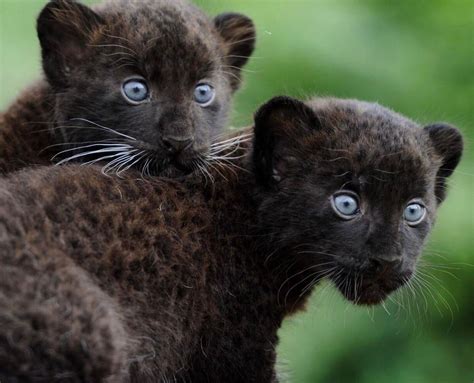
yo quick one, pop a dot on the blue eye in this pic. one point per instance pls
(135, 91)
(345, 205)
(414, 213)
(204, 94)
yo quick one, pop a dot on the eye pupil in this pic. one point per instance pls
(414, 213)
(345, 205)
(204, 94)
(135, 90)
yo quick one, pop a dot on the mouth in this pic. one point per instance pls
(185, 161)
(367, 289)
(185, 167)
(171, 168)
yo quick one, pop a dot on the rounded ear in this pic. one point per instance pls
(239, 36)
(448, 144)
(280, 125)
(64, 28)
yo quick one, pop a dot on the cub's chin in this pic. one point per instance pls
(174, 172)
(369, 289)
(172, 168)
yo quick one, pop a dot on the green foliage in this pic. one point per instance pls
(416, 57)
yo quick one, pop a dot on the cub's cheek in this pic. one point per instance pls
(202, 146)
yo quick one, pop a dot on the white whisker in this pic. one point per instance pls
(104, 127)
(140, 155)
(84, 154)
(101, 158)
(90, 146)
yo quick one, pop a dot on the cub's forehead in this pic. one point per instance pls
(372, 143)
(165, 36)
(369, 131)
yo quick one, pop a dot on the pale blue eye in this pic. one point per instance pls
(135, 91)
(204, 94)
(414, 213)
(346, 205)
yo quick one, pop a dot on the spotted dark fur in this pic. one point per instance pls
(145, 281)
(88, 54)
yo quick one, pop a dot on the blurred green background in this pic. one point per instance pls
(416, 57)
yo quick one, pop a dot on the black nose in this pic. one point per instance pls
(381, 265)
(176, 145)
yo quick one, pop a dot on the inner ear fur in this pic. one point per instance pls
(239, 36)
(65, 28)
(279, 125)
(448, 144)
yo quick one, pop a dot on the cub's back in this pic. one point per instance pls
(127, 246)
(107, 225)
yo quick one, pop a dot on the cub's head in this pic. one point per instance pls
(351, 190)
(143, 83)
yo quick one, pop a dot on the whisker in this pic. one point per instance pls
(241, 41)
(103, 127)
(140, 156)
(84, 154)
(112, 141)
(112, 46)
(101, 158)
(111, 164)
(91, 146)
(233, 139)
(224, 166)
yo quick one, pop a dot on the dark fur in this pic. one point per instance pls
(150, 281)
(88, 53)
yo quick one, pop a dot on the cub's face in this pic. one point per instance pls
(141, 84)
(353, 189)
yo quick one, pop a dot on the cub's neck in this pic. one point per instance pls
(26, 129)
(234, 197)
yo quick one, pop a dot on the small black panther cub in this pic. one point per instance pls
(183, 281)
(145, 84)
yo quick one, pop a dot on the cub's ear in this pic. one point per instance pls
(64, 28)
(280, 125)
(239, 35)
(448, 144)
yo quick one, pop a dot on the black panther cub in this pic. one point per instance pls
(145, 84)
(111, 279)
